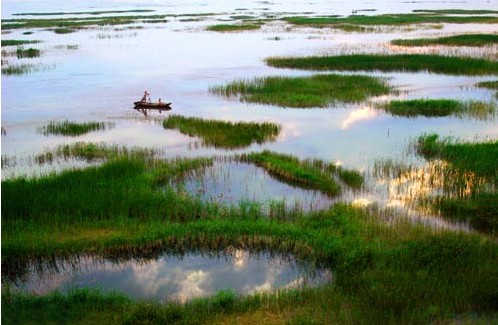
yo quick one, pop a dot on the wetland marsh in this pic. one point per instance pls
(322, 162)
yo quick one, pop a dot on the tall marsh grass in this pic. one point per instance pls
(68, 128)
(457, 40)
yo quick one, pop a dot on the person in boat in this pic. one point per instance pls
(159, 102)
(144, 98)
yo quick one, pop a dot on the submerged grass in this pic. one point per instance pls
(68, 128)
(233, 27)
(472, 162)
(15, 42)
(220, 134)
(440, 107)
(21, 69)
(388, 63)
(305, 92)
(457, 40)
(457, 11)
(27, 53)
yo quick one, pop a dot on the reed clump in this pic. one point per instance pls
(389, 63)
(305, 92)
(68, 128)
(221, 134)
(27, 53)
(457, 40)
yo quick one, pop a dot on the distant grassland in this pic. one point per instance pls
(81, 12)
(76, 22)
(305, 92)
(457, 11)
(221, 134)
(388, 19)
(440, 107)
(233, 27)
(457, 40)
(14, 42)
(389, 63)
(68, 128)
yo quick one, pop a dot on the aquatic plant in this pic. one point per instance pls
(388, 19)
(305, 92)
(221, 134)
(233, 27)
(68, 128)
(440, 107)
(387, 63)
(14, 42)
(27, 53)
(457, 40)
(21, 69)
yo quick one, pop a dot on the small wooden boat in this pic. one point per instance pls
(147, 105)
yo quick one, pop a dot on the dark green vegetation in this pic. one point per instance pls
(81, 12)
(457, 11)
(314, 91)
(27, 53)
(488, 84)
(388, 19)
(457, 40)
(313, 174)
(399, 62)
(472, 180)
(63, 30)
(440, 107)
(233, 27)
(220, 134)
(77, 22)
(15, 42)
(72, 128)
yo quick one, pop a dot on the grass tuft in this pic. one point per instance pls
(220, 134)
(457, 40)
(67, 128)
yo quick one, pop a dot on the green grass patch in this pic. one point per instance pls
(220, 134)
(388, 20)
(304, 92)
(63, 30)
(82, 12)
(390, 63)
(457, 40)
(312, 174)
(394, 273)
(27, 53)
(233, 27)
(439, 108)
(80, 22)
(457, 11)
(16, 42)
(488, 84)
(68, 128)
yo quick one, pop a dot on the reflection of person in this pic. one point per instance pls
(144, 99)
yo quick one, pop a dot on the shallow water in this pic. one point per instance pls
(173, 278)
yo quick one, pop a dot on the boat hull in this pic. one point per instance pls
(160, 106)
